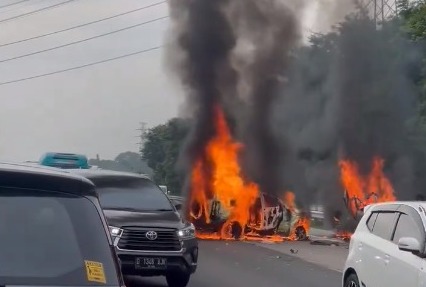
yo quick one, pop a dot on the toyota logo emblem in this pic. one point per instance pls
(151, 235)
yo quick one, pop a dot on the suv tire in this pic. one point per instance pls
(178, 279)
(352, 281)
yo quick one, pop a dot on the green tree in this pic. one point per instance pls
(161, 152)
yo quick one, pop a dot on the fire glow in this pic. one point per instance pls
(363, 190)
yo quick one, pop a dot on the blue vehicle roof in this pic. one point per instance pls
(65, 160)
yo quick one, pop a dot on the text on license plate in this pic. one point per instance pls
(151, 262)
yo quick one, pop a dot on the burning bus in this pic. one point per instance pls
(268, 216)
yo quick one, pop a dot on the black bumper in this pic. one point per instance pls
(184, 261)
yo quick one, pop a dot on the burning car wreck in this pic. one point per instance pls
(362, 190)
(224, 204)
(269, 216)
(355, 205)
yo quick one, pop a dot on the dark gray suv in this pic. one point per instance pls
(150, 236)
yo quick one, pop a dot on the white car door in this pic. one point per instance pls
(403, 267)
(361, 248)
(376, 247)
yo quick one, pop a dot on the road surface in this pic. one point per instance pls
(247, 265)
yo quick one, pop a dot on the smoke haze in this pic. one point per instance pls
(349, 98)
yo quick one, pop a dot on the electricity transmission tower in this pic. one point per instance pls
(380, 10)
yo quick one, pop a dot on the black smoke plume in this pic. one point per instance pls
(233, 54)
(203, 40)
(267, 33)
(207, 40)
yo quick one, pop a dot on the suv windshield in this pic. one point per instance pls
(137, 194)
(50, 238)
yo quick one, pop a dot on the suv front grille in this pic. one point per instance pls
(134, 238)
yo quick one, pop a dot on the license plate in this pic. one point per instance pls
(151, 263)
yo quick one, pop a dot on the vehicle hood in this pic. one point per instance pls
(167, 219)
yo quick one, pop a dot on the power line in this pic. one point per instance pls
(36, 11)
(81, 25)
(81, 41)
(20, 7)
(12, 4)
(82, 66)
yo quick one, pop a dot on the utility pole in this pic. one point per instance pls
(380, 10)
(142, 136)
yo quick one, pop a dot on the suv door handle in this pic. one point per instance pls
(387, 259)
(360, 246)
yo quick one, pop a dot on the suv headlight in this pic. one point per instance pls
(115, 232)
(187, 232)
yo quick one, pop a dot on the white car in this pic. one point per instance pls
(388, 247)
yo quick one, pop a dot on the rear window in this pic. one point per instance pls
(52, 238)
(127, 193)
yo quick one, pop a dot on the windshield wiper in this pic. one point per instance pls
(120, 209)
(134, 210)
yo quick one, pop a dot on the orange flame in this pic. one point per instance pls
(302, 222)
(227, 184)
(364, 190)
(344, 235)
(305, 223)
(289, 200)
(198, 180)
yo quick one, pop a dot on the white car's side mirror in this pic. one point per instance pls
(409, 244)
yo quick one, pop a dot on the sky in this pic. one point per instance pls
(93, 110)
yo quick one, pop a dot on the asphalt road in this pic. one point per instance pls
(241, 264)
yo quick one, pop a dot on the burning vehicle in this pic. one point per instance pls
(268, 216)
(355, 205)
(296, 223)
(361, 190)
(224, 204)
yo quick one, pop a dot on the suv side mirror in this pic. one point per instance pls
(178, 206)
(409, 244)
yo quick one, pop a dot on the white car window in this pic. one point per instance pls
(406, 227)
(371, 221)
(384, 225)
